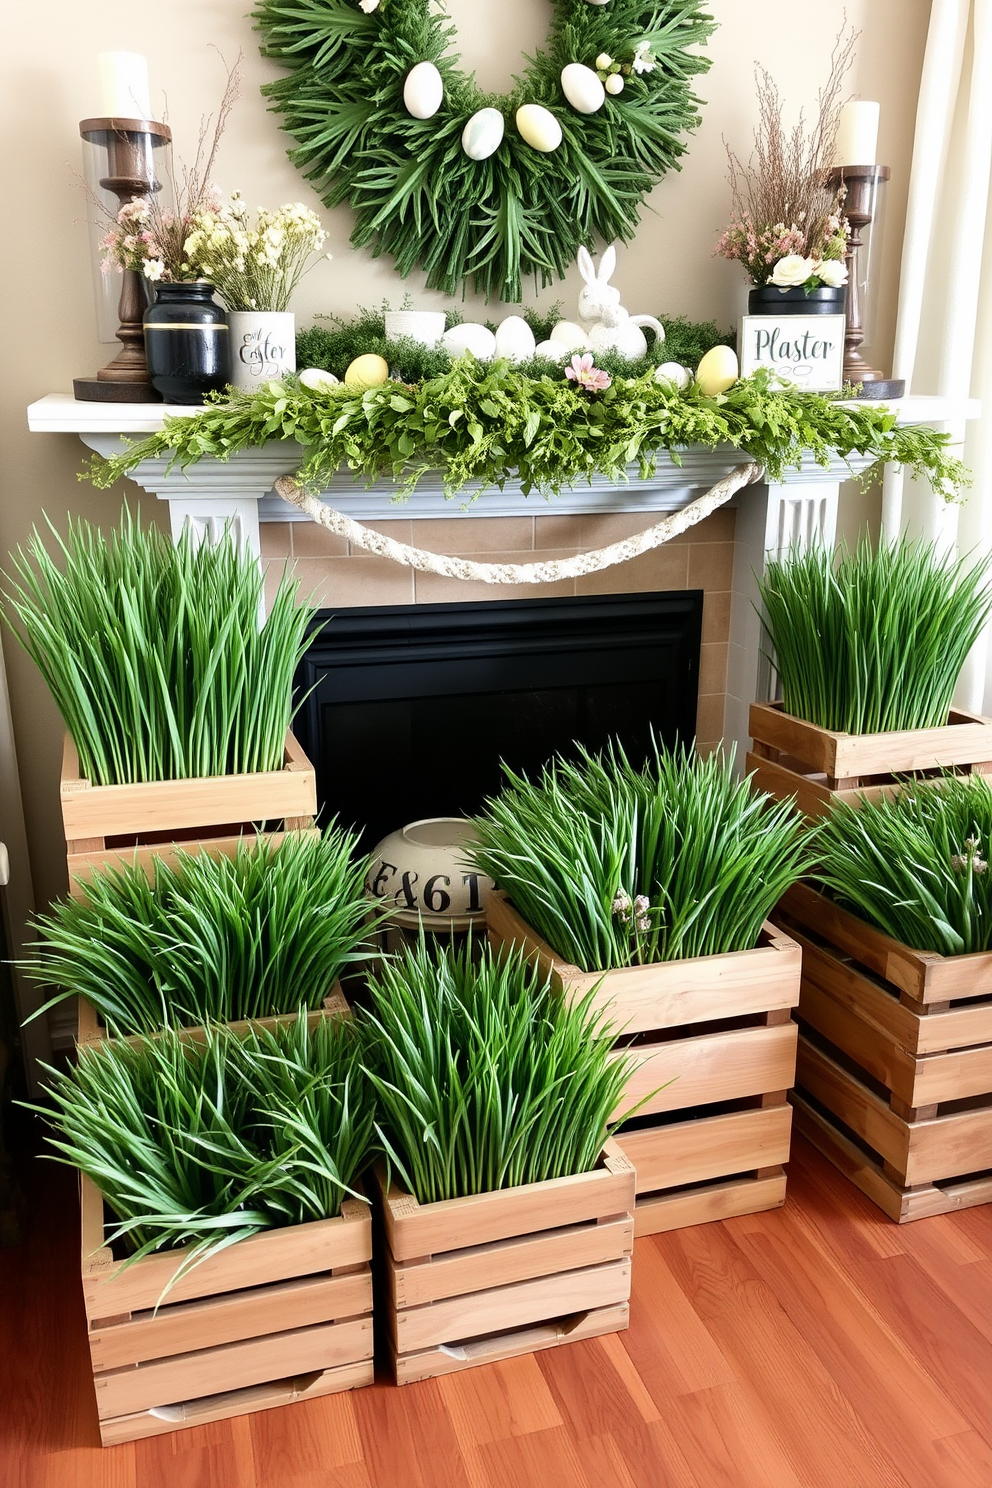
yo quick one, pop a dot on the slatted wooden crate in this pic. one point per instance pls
(283, 1316)
(894, 1082)
(478, 1279)
(821, 767)
(717, 1033)
(138, 823)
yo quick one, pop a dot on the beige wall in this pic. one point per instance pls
(48, 82)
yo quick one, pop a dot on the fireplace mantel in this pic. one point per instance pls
(237, 493)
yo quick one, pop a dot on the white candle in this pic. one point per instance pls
(857, 134)
(124, 86)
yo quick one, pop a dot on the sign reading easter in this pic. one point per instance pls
(807, 350)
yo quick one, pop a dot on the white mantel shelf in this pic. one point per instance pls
(214, 496)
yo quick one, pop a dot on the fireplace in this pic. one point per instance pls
(409, 710)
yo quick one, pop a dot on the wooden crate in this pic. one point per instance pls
(89, 1029)
(715, 1031)
(821, 767)
(474, 1280)
(894, 1081)
(115, 824)
(285, 1315)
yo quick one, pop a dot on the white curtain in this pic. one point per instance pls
(944, 327)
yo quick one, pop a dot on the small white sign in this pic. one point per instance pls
(807, 350)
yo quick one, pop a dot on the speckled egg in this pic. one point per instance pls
(718, 371)
(483, 134)
(367, 372)
(514, 339)
(538, 127)
(582, 88)
(423, 91)
(477, 339)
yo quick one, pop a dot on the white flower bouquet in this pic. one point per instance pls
(255, 268)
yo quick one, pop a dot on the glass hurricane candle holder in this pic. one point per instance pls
(122, 159)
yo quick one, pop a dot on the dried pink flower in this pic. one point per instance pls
(590, 378)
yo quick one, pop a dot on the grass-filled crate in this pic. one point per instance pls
(282, 1316)
(114, 824)
(716, 1034)
(894, 1080)
(473, 1280)
(822, 767)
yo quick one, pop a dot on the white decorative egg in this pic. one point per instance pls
(316, 379)
(553, 350)
(570, 335)
(582, 88)
(674, 373)
(477, 339)
(718, 371)
(514, 339)
(483, 134)
(423, 91)
(538, 127)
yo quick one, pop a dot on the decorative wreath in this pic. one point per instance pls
(480, 186)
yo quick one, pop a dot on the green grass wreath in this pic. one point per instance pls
(414, 190)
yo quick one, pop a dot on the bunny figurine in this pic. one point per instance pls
(608, 325)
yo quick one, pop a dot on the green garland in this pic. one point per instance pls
(415, 193)
(490, 423)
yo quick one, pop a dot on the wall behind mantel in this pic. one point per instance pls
(48, 82)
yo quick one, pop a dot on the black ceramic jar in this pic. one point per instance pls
(187, 345)
(768, 299)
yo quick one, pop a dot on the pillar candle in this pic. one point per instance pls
(124, 86)
(857, 134)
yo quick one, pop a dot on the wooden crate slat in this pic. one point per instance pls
(657, 1213)
(510, 1307)
(83, 865)
(812, 796)
(236, 1316)
(866, 1172)
(669, 994)
(90, 811)
(917, 1031)
(711, 1147)
(89, 1031)
(440, 1361)
(272, 1256)
(269, 1396)
(921, 1151)
(232, 1366)
(415, 1230)
(965, 739)
(507, 1261)
(715, 1067)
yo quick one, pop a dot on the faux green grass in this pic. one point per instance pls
(484, 1080)
(877, 642)
(915, 866)
(213, 938)
(202, 1145)
(154, 654)
(615, 866)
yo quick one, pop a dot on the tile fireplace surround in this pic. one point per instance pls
(720, 556)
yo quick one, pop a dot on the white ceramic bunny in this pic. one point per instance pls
(608, 325)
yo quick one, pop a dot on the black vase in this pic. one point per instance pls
(187, 345)
(768, 299)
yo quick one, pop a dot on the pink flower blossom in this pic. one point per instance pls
(592, 379)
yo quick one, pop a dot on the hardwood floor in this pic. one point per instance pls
(819, 1346)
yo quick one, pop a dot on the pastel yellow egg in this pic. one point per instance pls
(367, 372)
(538, 127)
(718, 371)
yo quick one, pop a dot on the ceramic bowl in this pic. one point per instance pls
(418, 873)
